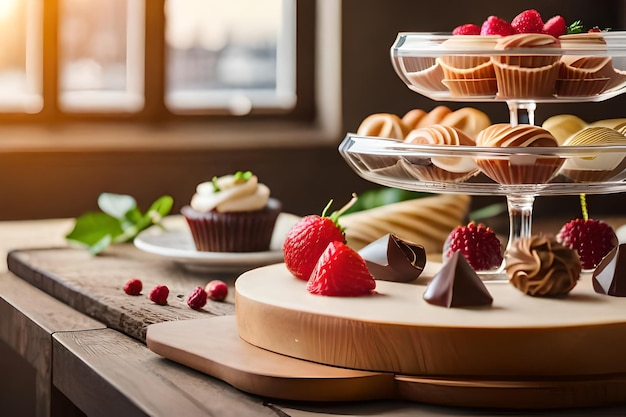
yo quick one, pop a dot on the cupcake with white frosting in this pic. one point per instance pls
(232, 213)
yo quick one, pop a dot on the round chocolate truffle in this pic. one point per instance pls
(542, 267)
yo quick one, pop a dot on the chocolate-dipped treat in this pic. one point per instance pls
(390, 258)
(609, 277)
(540, 266)
(457, 285)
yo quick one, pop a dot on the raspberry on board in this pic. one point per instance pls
(216, 290)
(159, 294)
(197, 298)
(133, 286)
(478, 244)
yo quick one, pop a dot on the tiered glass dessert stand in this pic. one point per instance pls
(418, 58)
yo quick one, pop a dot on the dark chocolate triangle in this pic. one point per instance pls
(390, 258)
(457, 285)
(609, 277)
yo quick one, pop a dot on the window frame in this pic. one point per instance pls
(155, 109)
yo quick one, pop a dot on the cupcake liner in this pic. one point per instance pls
(576, 68)
(527, 61)
(431, 172)
(504, 172)
(581, 87)
(516, 82)
(484, 70)
(477, 87)
(234, 231)
(464, 61)
(428, 79)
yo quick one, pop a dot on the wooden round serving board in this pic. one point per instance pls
(213, 346)
(519, 337)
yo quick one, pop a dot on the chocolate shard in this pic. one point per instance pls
(609, 277)
(390, 258)
(457, 285)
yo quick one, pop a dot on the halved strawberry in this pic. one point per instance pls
(308, 238)
(340, 271)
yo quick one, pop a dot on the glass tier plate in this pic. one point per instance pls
(577, 68)
(477, 170)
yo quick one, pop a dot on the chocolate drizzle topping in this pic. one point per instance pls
(457, 285)
(390, 258)
(609, 277)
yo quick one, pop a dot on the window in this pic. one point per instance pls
(233, 55)
(20, 56)
(154, 59)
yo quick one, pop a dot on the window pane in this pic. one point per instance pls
(101, 55)
(234, 55)
(20, 56)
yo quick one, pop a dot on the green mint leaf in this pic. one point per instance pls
(216, 187)
(100, 245)
(92, 227)
(120, 221)
(116, 205)
(241, 176)
(163, 205)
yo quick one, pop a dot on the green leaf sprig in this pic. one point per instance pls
(120, 221)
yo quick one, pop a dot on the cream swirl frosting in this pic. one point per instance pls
(238, 192)
(540, 266)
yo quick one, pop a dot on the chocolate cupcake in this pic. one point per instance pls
(233, 213)
(527, 75)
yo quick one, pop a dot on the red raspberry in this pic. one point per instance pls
(133, 286)
(496, 26)
(216, 290)
(467, 29)
(478, 244)
(159, 294)
(528, 21)
(592, 239)
(197, 298)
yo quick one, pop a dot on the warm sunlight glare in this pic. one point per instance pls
(7, 8)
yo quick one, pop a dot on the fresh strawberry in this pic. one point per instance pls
(528, 21)
(478, 244)
(340, 271)
(594, 29)
(467, 29)
(308, 238)
(592, 239)
(496, 26)
(555, 26)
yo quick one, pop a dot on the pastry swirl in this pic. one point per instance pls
(540, 266)
(504, 134)
(384, 125)
(527, 40)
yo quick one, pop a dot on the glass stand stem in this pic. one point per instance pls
(514, 112)
(520, 216)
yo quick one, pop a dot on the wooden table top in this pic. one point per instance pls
(36, 251)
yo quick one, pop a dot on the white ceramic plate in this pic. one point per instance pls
(176, 243)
